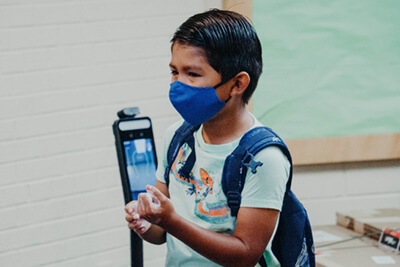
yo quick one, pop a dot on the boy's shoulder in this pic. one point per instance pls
(257, 123)
(174, 126)
(171, 129)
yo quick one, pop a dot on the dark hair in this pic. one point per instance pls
(229, 41)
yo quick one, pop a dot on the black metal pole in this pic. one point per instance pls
(136, 241)
(136, 250)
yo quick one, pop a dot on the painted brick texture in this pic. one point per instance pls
(66, 68)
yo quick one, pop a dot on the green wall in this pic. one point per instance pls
(330, 67)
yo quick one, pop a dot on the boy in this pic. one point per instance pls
(215, 66)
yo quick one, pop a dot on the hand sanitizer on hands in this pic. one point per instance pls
(145, 225)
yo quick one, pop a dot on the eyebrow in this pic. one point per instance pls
(188, 67)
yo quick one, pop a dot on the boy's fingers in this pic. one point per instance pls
(130, 207)
(128, 218)
(127, 208)
(157, 193)
(144, 199)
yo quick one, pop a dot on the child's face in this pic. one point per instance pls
(189, 65)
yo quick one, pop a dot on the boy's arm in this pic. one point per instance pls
(155, 235)
(254, 228)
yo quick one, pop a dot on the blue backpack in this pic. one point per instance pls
(293, 243)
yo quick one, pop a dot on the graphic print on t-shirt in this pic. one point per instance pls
(201, 187)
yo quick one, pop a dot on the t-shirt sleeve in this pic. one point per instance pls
(266, 188)
(162, 162)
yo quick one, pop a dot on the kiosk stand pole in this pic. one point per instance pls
(136, 250)
(136, 242)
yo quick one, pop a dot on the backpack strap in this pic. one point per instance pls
(242, 158)
(184, 134)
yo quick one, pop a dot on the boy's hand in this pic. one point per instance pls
(155, 207)
(135, 223)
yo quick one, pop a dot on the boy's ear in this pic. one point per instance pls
(242, 81)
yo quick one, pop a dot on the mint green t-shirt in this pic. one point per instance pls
(201, 200)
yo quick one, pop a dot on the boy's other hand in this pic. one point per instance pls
(155, 207)
(135, 223)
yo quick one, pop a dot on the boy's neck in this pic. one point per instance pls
(227, 127)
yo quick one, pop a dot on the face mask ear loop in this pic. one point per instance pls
(221, 83)
(218, 85)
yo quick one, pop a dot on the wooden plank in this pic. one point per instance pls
(369, 222)
(243, 7)
(340, 149)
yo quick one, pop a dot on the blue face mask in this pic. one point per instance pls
(195, 104)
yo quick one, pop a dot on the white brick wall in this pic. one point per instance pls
(66, 68)
(327, 189)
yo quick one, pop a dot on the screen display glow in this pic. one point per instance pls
(141, 166)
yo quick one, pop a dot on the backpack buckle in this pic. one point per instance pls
(251, 163)
(234, 199)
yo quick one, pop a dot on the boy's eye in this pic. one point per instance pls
(174, 72)
(192, 74)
